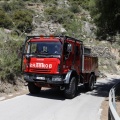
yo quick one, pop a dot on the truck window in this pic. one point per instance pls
(50, 48)
(87, 51)
(33, 48)
(65, 49)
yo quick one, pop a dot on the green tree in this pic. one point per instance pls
(106, 14)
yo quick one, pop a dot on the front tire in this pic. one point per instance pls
(70, 90)
(33, 89)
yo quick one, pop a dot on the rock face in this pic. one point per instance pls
(41, 26)
(104, 52)
(47, 28)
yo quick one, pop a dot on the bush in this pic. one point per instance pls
(23, 20)
(58, 15)
(5, 20)
(75, 8)
(6, 7)
(83, 3)
(9, 60)
(73, 28)
(14, 5)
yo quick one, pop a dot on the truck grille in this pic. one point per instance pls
(40, 70)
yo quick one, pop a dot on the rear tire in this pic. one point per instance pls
(70, 90)
(33, 89)
(90, 85)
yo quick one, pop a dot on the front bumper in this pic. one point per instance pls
(48, 79)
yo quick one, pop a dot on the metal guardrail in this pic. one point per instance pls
(112, 113)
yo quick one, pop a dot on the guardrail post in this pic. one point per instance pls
(109, 114)
(112, 113)
(113, 98)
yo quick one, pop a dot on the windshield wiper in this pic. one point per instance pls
(43, 55)
(56, 56)
(49, 56)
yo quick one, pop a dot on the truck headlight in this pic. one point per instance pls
(26, 77)
(56, 78)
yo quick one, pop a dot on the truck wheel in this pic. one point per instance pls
(33, 89)
(70, 90)
(90, 85)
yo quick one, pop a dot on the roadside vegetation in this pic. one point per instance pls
(16, 20)
(10, 57)
(15, 16)
(10, 62)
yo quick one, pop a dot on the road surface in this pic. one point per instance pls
(51, 105)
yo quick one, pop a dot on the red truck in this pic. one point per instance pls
(58, 61)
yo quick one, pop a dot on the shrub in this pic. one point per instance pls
(6, 7)
(75, 8)
(23, 20)
(9, 60)
(83, 3)
(5, 20)
(73, 28)
(14, 5)
(58, 15)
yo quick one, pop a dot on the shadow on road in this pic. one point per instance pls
(101, 90)
(50, 94)
(56, 93)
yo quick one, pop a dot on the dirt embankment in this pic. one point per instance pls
(8, 90)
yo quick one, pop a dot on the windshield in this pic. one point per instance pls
(44, 48)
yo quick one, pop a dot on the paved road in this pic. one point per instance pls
(51, 105)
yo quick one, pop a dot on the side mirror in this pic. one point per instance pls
(69, 48)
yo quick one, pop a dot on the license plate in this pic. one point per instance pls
(40, 78)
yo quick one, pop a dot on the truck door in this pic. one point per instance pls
(68, 56)
(77, 63)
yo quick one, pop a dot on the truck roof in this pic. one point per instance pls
(49, 38)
